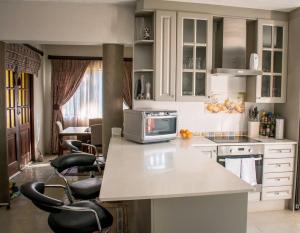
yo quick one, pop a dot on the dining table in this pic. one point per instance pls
(79, 132)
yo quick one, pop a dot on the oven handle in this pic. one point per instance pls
(256, 159)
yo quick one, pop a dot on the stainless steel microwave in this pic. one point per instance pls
(145, 126)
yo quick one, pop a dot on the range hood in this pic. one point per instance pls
(230, 54)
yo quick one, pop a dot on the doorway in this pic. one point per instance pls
(19, 109)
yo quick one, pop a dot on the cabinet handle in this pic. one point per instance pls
(281, 150)
(278, 192)
(279, 178)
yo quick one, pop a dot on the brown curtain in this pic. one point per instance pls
(66, 77)
(20, 58)
(127, 83)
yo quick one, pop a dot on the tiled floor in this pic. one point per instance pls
(23, 217)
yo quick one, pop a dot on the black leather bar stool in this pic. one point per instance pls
(76, 146)
(79, 217)
(85, 189)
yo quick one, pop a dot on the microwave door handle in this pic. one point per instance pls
(160, 117)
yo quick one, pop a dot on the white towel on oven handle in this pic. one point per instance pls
(248, 171)
(233, 165)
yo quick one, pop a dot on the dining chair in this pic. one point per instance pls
(60, 129)
(79, 217)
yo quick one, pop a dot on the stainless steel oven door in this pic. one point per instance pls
(158, 128)
(258, 166)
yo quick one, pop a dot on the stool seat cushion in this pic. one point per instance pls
(87, 188)
(80, 222)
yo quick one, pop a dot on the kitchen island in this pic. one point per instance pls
(174, 188)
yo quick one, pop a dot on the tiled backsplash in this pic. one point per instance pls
(192, 115)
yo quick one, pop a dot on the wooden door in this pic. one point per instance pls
(18, 120)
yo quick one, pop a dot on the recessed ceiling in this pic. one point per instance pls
(278, 5)
(72, 1)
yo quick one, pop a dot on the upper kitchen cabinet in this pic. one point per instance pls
(194, 55)
(165, 55)
(272, 42)
(143, 61)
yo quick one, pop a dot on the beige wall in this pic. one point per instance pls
(66, 23)
(291, 110)
(38, 83)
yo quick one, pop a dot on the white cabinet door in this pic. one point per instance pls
(194, 56)
(272, 51)
(279, 151)
(278, 179)
(276, 193)
(165, 52)
(279, 165)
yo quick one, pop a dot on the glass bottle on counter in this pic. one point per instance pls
(267, 124)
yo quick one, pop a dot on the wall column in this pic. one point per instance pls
(113, 72)
(4, 193)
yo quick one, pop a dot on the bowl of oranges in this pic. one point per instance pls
(185, 134)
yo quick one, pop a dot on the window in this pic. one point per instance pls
(86, 103)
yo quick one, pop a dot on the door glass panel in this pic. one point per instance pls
(13, 124)
(201, 31)
(7, 118)
(188, 30)
(201, 58)
(267, 36)
(266, 86)
(11, 79)
(7, 78)
(160, 126)
(277, 66)
(187, 59)
(200, 84)
(277, 86)
(266, 63)
(187, 83)
(278, 37)
(12, 98)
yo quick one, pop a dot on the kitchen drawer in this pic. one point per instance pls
(279, 151)
(276, 193)
(279, 165)
(207, 152)
(278, 179)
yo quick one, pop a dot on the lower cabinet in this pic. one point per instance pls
(207, 152)
(277, 193)
(278, 172)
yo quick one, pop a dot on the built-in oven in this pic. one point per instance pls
(241, 152)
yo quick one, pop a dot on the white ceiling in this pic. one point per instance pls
(72, 1)
(279, 5)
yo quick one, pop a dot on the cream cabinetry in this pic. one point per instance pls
(194, 55)
(278, 172)
(165, 51)
(209, 152)
(272, 41)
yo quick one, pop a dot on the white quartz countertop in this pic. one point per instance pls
(266, 140)
(164, 170)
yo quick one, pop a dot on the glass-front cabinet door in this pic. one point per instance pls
(194, 53)
(272, 49)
